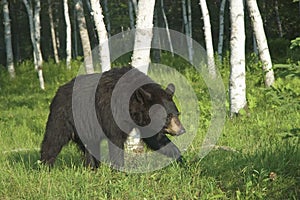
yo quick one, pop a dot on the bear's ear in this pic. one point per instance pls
(142, 95)
(170, 89)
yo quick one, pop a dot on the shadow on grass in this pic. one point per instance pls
(268, 173)
(30, 159)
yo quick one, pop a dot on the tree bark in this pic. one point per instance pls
(8, 44)
(84, 36)
(130, 12)
(221, 29)
(102, 36)
(237, 83)
(167, 25)
(278, 19)
(34, 25)
(261, 41)
(68, 35)
(208, 39)
(53, 36)
(143, 35)
(187, 31)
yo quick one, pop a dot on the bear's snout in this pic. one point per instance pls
(175, 127)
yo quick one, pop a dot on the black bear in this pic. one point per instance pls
(90, 108)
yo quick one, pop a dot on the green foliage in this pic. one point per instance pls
(279, 49)
(295, 43)
(258, 156)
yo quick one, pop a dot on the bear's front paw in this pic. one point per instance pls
(180, 160)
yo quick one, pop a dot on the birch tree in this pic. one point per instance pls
(278, 19)
(221, 29)
(167, 25)
(141, 53)
(143, 36)
(261, 41)
(34, 25)
(208, 39)
(84, 36)
(68, 35)
(187, 30)
(52, 29)
(237, 82)
(102, 35)
(7, 37)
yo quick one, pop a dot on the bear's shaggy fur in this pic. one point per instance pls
(62, 126)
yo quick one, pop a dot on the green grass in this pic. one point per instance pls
(265, 137)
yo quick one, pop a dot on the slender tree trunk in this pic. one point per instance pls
(7, 36)
(131, 16)
(107, 20)
(187, 31)
(208, 39)
(143, 36)
(75, 33)
(237, 85)
(278, 19)
(53, 36)
(135, 6)
(102, 35)
(156, 38)
(84, 36)
(261, 41)
(37, 31)
(167, 25)
(189, 12)
(68, 35)
(34, 24)
(221, 29)
(37, 27)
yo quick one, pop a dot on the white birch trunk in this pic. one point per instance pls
(141, 54)
(187, 31)
(167, 26)
(84, 36)
(68, 35)
(34, 25)
(261, 41)
(7, 36)
(52, 29)
(37, 31)
(208, 39)
(221, 29)
(237, 85)
(102, 35)
(37, 34)
(143, 36)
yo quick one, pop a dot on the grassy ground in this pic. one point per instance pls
(259, 156)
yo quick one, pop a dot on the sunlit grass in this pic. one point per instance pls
(258, 158)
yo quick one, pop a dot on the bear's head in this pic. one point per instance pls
(152, 94)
